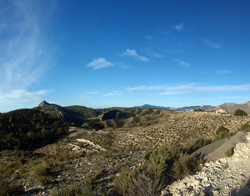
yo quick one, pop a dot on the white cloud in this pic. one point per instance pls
(114, 93)
(24, 52)
(191, 88)
(223, 72)
(182, 63)
(179, 27)
(99, 63)
(133, 53)
(18, 96)
(212, 43)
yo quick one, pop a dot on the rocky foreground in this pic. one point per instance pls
(226, 176)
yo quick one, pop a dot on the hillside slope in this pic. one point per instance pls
(28, 128)
(232, 107)
(226, 176)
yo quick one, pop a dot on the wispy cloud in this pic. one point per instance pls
(212, 43)
(178, 27)
(224, 98)
(223, 72)
(150, 52)
(88, 94)
(182, 63)
(148, 38)
(133, 54)
(114, 93)
(99, 63)
(93, 93)
(190, 88)
(24, 54)
(19, 96)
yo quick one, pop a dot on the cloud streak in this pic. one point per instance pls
(114, 93)
(190, 88)
(18, 96)
(212, 44)
(133, 53)
(179, 27)
(99, 63)
(24, 55)
(223, 72)
(182, 63)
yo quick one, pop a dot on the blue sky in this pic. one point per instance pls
(108, 53)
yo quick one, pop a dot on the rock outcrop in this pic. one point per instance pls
(43, 103)
(232, 107)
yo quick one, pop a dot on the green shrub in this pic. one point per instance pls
(245, 127)
(41, 170)
(222, 132)
(229, 152)
(8, 190)
(73, 190)
(240, 112)
(44, 180)
(124, 181)
(145, 186)
(161, 167)
(183, 166)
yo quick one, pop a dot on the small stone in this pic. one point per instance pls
(215, 193)
(165, 192)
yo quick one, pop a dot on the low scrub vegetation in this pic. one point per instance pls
(245, 127)
(240, 112)
(8, 189)
(229, 152)
(28, 129)
(159, 168)
(222, 132)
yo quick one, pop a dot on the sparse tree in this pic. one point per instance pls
(240, 112)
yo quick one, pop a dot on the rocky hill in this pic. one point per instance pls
(98, 118)
(232, 107)
(225, 176)
(137, 151)
(28, 129)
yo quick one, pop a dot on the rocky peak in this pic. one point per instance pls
(247, 102)
(43, 103)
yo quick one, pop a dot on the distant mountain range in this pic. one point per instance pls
(205, 107)
(154, 106)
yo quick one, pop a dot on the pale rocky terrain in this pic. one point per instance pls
(85, 153)
(232, 107)
(176, 127)
(225, 176)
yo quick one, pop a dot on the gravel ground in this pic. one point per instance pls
(226, 176)
(216, 150)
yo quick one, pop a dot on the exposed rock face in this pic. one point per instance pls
(43, 103)
(226, 176)
(232, 107)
